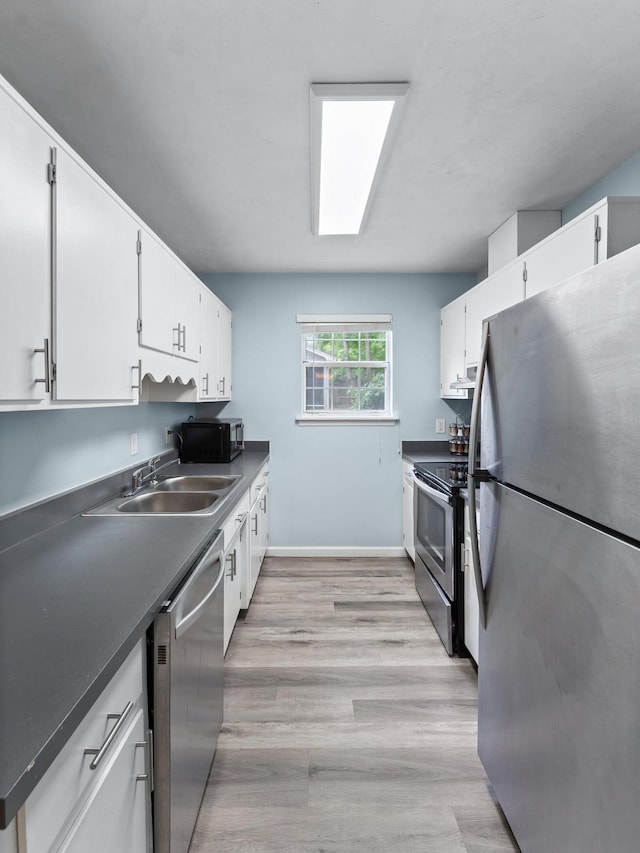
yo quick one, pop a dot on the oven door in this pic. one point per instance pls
(434, 533)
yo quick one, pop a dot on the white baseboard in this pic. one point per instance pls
(335, 551)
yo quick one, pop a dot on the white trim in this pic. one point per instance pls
(321, 419)
(336, 551)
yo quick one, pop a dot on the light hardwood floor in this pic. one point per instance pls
(347, 726)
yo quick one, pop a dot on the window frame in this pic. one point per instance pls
(309, 323)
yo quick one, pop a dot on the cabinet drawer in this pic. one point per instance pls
(115, 815)
(64, 786)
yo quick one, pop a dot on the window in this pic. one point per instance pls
(346, 368)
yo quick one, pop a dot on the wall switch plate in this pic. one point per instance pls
(167, 435)
(134, 443)
(440, 425)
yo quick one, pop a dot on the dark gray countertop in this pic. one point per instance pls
(74, 600)
(427, 451)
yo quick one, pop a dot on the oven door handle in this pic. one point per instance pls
(433, 493)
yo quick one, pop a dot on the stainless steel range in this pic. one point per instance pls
(439, 537)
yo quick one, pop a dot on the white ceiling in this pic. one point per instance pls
(197, 113)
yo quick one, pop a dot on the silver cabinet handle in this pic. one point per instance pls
(232, 558)
(47, 373)
(263, 503)
(147, 745)
(137, 367)
(102, 750)
(178, 329)
(221, 385)
(255, 529)
(184, 338)
(476, 473)
(205, 385)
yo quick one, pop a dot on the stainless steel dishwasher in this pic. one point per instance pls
(188, 636)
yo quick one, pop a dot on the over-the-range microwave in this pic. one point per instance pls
(211, 440)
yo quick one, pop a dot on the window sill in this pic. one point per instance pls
(346, 420)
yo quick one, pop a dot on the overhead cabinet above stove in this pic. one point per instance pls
(607, 228)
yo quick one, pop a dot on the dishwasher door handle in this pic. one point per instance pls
(187, 621)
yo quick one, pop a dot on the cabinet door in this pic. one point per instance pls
(209, 370)
(116, 815)
(452, 343)
(25, 255)
(492, 295)
(263, 527)
(569, 251)
(157, 294)
(407, 510)
(96, 291)
(187, 314)
(224, 352)
(254, 545)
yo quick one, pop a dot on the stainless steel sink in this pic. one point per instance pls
(196, 484)
(168, 502)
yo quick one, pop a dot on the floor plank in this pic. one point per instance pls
(347, 726)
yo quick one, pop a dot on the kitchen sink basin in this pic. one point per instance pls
(168, 502)
(196, 484)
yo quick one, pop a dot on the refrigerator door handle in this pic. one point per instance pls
(476, 475)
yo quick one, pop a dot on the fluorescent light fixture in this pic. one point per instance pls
(352, 125)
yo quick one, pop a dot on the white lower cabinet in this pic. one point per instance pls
(407, 510)
(9, 838)
(236, 560)
(115, 815)
(471, 608)
(93, 798)
(258, 527)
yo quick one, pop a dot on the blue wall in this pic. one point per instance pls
(625, 180)
(45, 453)
(334, 486)
(317, 475)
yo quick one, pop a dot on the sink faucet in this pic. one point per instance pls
(140, 479)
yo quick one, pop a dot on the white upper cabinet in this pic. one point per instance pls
(188, 313)
(169, 302)
(224, 352)
(157, 295)
(25, 257)
(452, 348)
(96, 292)
(492, 295)
(91, 301)
(609, 227)
(215, 348)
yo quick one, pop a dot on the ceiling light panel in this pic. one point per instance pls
(352, 126)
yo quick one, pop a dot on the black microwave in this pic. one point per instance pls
(211, 440)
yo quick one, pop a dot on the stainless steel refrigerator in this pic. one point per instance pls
(559, 482)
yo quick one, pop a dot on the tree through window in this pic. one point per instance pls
(347, 366)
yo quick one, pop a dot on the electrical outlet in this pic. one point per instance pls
(167, 435)
(440, 425)
(134, 443)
